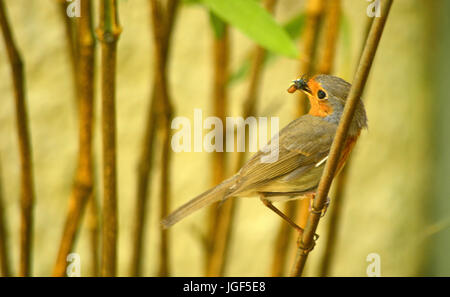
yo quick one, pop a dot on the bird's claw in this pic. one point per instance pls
(321, 211)
(307, 249)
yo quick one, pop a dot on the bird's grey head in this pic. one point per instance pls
(335, 86)
(338, 91)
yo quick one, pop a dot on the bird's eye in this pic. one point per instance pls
(321, 94)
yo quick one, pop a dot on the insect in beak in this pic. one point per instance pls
(299, 84)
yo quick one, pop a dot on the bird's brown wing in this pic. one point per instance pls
(301, 145)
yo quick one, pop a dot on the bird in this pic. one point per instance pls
(303, 148)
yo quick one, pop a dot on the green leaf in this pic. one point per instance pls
(217, 24)
(191, 2)
(240, 73)
(293, 27)
(254, 21)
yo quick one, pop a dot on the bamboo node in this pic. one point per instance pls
(108, 36)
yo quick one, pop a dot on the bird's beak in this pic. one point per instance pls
(299, 84)
(306, 89)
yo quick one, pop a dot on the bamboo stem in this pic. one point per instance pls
(338, 199)
(333, 221)
(72, 43)
(143, 185)
(307, 239)
(70, 37)
(83, 184)
(256, 71)
(94, 232)
(214, 254)
(331, 30)
(314, 14)
(5, 269)
(282, 241)
(108, 34)
(221, 235)
(27, 191)
(145, 163)
(165, 111)
(165, 195)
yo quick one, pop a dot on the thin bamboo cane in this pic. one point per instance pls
(108, 34)
(70, 37)
(94, 232)
(165, 195)
(331, 30)
(27, 191)
(83, 184)
(314, 15)
(282, 242)
(93, 221)
(143, 185)
(254, 87)
(5, 267)
(338, 199)
(145, 163)
(221, 71)
(307, 238)
(165, 111)
(222, 232)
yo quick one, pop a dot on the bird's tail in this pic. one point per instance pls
(215, 194)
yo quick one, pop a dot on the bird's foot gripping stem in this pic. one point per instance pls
(323, 210)
(306, 249)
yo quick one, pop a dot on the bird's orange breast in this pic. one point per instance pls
(320, 109)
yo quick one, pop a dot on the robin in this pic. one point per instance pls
(303, 148)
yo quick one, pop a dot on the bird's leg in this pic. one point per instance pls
(280, 213)
(324, 209)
